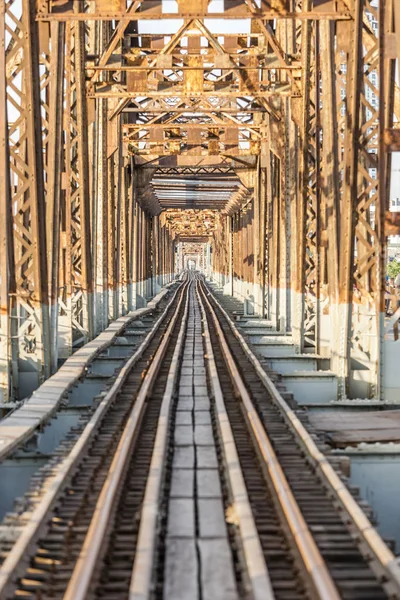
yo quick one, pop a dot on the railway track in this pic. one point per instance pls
(194, 479)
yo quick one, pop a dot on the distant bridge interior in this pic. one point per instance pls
(237, 151)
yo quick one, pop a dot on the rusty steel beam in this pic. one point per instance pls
(232, 14)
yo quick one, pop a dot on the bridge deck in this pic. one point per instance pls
(189, 476)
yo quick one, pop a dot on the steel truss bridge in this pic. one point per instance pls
(262, 131)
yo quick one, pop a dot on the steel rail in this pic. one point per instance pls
(382, 561)
(141, 581)
(86, 563)
(24, 547)
(319, 578)
(257, 569)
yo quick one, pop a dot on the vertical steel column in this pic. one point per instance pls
(262, 192)
(163, 253)
(7, 272)
(229, 228)
(173, 245)
(287, 186)
(299, 291)
(256, 227)
(347, 225)
(100, 250)
(389, 27)
(368, 274)
(149, 258)
(161, 250)
(305, 331)
(145, 251)
(274, 255)
(170, 255)
(156, 252)
(330, 178)
(131, 235)
(240, 250)
(28, 283)
(112, 202)
(235, 252)
(100, 247)
(168, 240)
(167, 254)
(290, 178)
(145, 254)
(135, 246)
(86, 277)
(76, 301)
(122, 235)
(269, 232)
(140, 254)
(54, 161)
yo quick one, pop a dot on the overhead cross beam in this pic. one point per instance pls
(152, 10)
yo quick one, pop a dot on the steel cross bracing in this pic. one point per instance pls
(277, 139)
